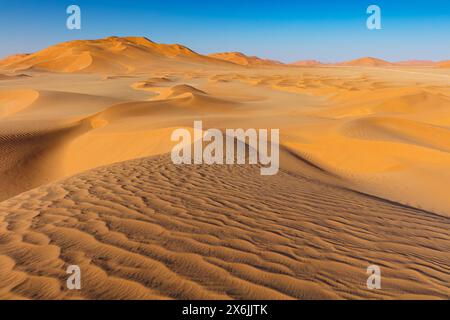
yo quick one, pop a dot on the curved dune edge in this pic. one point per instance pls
(146, 229)
(14, 101)
(33, 129)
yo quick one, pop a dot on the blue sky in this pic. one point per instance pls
(287, 30)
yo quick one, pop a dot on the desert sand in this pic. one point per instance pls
(244, 60)
(86, 176)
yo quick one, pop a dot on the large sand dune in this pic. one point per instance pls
(110, 55)
(368, 61)
(85, 177)
(242, 59)
(444, 64)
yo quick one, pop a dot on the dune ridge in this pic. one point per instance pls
(242, 59)
(307, 63)
(109, 55)
(367, 61)
(416, 63)
(444, 64)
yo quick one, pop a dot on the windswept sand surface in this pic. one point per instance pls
(150, 229)
(85, 177)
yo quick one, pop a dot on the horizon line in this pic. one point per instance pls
(412, 59)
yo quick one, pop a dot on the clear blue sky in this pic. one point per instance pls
(287, 30)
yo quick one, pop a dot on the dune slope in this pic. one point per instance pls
(367, 61)
(242, 59)
(150, 229)
(112, 55)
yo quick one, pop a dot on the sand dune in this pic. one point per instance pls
(85, 177)
(14, 101)
(368, 61)
(444, 64)
(13, 58)
(149, 229)
(242, 59)
(307, 63)
(125, 55)
(33, 126)
(13, 76)
(109, 55)
(416, 63)
(400, 130)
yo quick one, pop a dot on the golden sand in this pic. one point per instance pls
(86, 176)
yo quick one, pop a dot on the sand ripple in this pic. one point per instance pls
(149, 229)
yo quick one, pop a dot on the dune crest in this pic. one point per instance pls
(307, 63)
(444, 64)
(367, 61)
(242, 59)
(422, 63)
(15, 101)
(109, 55)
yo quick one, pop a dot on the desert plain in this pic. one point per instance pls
(86, 176)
